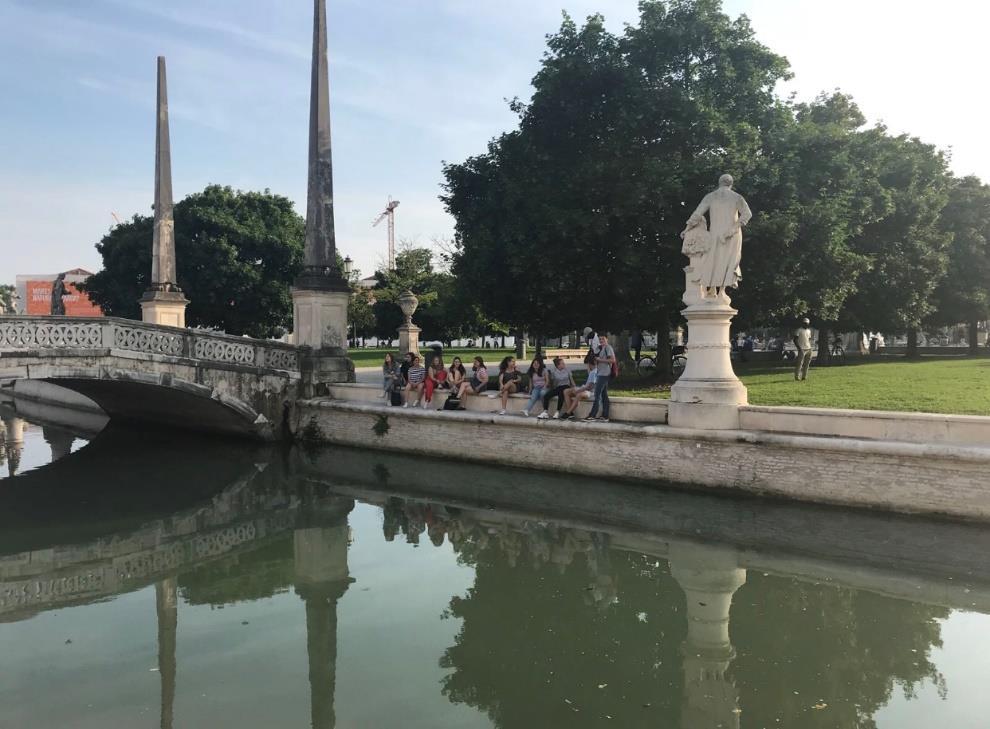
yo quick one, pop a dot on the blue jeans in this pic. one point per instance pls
(601, 394)
(536, 395)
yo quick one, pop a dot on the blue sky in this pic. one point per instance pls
(413, 82)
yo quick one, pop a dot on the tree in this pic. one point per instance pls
(963, 295)
(577, 213)
(442, 313)
(237, 254)
(906, 246)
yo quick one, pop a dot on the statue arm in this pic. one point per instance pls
(745, 214)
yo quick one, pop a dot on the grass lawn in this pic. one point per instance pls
(958, 385)
(374, 357)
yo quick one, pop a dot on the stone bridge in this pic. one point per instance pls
(188, 378)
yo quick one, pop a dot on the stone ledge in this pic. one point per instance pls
(932, 479)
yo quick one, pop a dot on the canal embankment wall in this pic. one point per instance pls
(909, 467)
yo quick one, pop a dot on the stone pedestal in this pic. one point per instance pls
(708, 394)
(167, 308)
(408, 339)
(320, 319)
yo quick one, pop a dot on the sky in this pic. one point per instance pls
(414, 83)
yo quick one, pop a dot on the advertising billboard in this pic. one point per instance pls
(39, 300)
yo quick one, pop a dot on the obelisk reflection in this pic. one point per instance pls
(13, 441)
(60, 441)
(322, 578)
(166, 606)
(709, 576)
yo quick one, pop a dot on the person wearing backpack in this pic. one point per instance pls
(607, 367)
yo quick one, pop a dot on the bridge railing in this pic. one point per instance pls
(19, 333)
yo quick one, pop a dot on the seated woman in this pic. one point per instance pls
(509, 380)
(436, 379)
(478, 383)
(561, 380)
(391, 378)
(573, 396)
(538, 376)
(415, 381)
(456, 375)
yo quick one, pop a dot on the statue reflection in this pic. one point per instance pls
(709, 576)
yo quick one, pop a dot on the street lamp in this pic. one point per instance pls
(348, 266)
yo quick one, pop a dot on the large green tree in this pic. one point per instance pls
(236, 254)
(574, 217)
(964, 294)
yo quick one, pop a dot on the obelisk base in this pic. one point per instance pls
(165, 308)
(708, 394)
(408, 339)
(320, 323)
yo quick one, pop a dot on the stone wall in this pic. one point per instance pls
(893, 476)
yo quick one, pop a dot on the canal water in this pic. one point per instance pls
(148, 580)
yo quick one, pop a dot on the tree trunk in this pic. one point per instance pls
(912, 344)
(824, 355)
(620, 343)
(520, 344)
(974, 337)
(664, 351)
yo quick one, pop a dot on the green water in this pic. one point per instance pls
(150, 581)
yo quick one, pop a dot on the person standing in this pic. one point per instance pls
(802, 340)
(604, 364)
(636, 342)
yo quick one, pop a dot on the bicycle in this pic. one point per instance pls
(647, 364)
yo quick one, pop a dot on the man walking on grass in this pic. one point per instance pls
(802, 339)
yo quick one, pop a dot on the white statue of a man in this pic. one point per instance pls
(716, 249)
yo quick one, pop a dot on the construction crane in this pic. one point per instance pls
(390, 214)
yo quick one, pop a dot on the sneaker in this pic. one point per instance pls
(405, 404)
(501, 412)
(590, 419)
(603, 420)
(543, 416)
(425, 404)
(526, 413)
(556, 416)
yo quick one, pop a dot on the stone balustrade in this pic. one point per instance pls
(33, 333)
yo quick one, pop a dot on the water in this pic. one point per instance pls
(148, 580)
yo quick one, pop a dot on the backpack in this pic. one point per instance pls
(614, 372)
(452, 403)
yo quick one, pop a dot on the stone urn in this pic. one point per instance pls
(408, 303)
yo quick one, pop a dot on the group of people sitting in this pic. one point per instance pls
(418, 384)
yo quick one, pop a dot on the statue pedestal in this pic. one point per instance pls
(708, 394)
(408, 339)
(167, 308)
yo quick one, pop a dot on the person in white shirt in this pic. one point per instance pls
(802, 340)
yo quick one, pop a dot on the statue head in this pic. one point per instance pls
(726, 181)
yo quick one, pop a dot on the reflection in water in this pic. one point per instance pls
(614, 607)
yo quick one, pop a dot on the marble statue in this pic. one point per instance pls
(715, 245)
(58, 291)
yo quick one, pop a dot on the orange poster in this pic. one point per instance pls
(39, 300)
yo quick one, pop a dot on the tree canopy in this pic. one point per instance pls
(236, 253)
(578, 211)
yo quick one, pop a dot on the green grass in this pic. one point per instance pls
(375, 357)
(959, 385)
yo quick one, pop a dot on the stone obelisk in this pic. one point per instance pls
(163, 302)
(321, 293)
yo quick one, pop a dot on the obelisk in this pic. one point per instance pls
(163, 302)
(321, 294)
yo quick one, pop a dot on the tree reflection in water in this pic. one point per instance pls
(561, 629)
